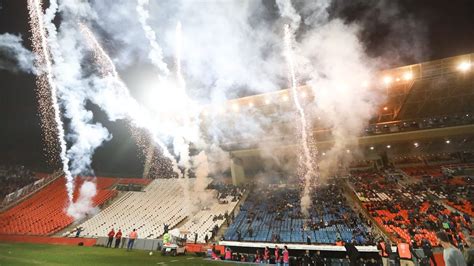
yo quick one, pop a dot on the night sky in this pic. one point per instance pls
(446, 27)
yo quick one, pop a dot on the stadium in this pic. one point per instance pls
(283, 132)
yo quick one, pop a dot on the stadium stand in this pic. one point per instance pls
(13, 178)
(273, 214)
(407, 209)
(43, 213)
(204, 221)
(208, 220)
(161, 202)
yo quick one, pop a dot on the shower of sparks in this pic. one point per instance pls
(43, 92)
(46, 83)
(108, 69)
(309, 170)
(184, 155)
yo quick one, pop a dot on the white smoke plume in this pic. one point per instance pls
(228, 50)
(202, 196)
(84, 135)
(155, 54)
(84, 205)
(13, 55)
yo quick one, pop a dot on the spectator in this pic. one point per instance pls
(286, 256)
(381, 246)
(404, 253)
(352, 253)
(195, 238)
(131, 239)
(428, 251)
(451, 255)
(228, 254)
(307, 261)
(318, 259)
(277, 256)
(266, 255)
(118, 238)
(78, 231)
(111, 235)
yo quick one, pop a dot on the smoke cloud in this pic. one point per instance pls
(84, 206)
(13, 55)
(227, 50)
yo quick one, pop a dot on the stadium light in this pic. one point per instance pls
(448, 141)
(324, 154)
(385, 108)
(408, 76)
(348, 151)
(285, 98)
(464, 66)
(387, 80)
(416, 144)
(250, 104)
(372, 147)
(389, 146)
(267, 101)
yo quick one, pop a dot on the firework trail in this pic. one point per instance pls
(43, 93)
(156, 54)
(46, 81)
(149, 159)
(108, 69)
(307, 160)
(178, 48)
(180, 143)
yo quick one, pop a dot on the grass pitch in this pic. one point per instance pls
(41, 254)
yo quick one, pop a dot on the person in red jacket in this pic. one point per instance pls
(111, 235)
(118, 238)
(286, 256)
(266, 255)
(228, 254)
(277, 256)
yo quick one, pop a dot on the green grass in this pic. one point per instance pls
(40, 254)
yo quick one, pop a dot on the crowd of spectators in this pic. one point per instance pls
(272, 213)
(408, 209)
(224, 190)
(274, 255)
(13, 178)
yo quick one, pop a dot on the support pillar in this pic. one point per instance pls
(237, 170)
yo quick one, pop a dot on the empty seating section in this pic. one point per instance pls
(43, 213)
(203, 221)
(162, 202)
(274, 215)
